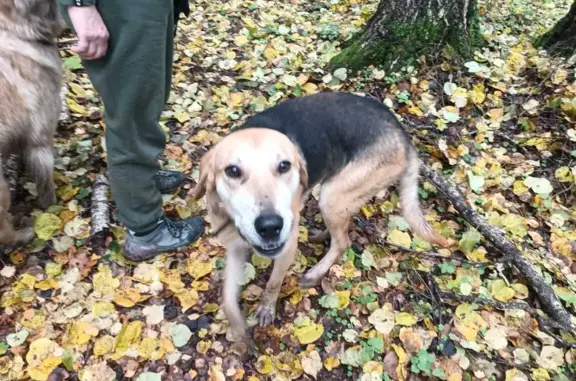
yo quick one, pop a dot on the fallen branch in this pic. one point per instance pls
(545, 323)
(64, 111)
(100, 207)
(367, 226)
(550, 303)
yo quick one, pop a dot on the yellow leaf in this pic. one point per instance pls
(102, 309)
(302, 234)
(401, 371)
(540, 374)
(559, 76)
(260, 262)
(308, 333)
(33, 319)
(77, 89)
(151, 349)
(519, 187)
(343, 299)
(405, 319)
(46, 225)
(173, 280)
(310, 88)
(240, 40)
(373, 367)
(79, 333)
(75, 107)
(368, 210)
(500, 291)
(203, 346)
(564, 174)
(210, 308)
(331, 363)
(188, 299)
(264, 364)
(41, 359)
(197, 268)
(477, 95)
(104, 282)
(182, 116)
(270, 53)
(515, 375)
(47, 284)
(399, 238)
(468, 322)
(496, 114)
(236, 99)
(521, 291)
(130, 334)
(415, 110)
(103, 345)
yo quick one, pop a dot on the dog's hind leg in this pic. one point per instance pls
(341, 198)
(39, 161)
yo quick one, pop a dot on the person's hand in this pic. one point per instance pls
(90, 30)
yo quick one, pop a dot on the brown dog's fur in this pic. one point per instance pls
(228, 200)
(9, 236)
(30, 81)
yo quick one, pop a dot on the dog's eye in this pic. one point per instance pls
(233, 171)
(284, 166)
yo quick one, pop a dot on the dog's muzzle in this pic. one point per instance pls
(269, 226)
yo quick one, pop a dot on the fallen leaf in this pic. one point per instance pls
(312, 363)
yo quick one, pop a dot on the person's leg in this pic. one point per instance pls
(134, 82)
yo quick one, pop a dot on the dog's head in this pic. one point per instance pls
(257, 176)
(31, 19)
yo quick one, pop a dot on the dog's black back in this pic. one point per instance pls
(331, 129)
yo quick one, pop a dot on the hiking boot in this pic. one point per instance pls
(168, 235)
(168, 181)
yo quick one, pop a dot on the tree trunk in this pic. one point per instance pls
(401, 30)
(561, 38)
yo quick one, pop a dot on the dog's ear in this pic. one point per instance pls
(206, 182)
(302, 169)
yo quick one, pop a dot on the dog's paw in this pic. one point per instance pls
(309, 280)
(25, 236)
(265, 314)
(318, 236)
(237, 335)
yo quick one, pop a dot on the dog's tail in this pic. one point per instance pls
(411, 204)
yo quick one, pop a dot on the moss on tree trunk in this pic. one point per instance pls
(561, 38)
(401, 30)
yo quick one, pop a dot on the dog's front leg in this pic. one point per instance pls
(234, 273)
(266, 311)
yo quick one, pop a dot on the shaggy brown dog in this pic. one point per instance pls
(30, 82)
(9, 236)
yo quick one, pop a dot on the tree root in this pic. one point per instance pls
(548, 299)
(100, 208)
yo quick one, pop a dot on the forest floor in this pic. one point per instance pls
(502, 127)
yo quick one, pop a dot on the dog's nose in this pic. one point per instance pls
(269, 226)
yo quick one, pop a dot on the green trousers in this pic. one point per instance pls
(134, 80)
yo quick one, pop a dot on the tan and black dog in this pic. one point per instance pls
(257, 178)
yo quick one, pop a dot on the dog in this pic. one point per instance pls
(257, 179)
(30, 82)
(8, 235)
